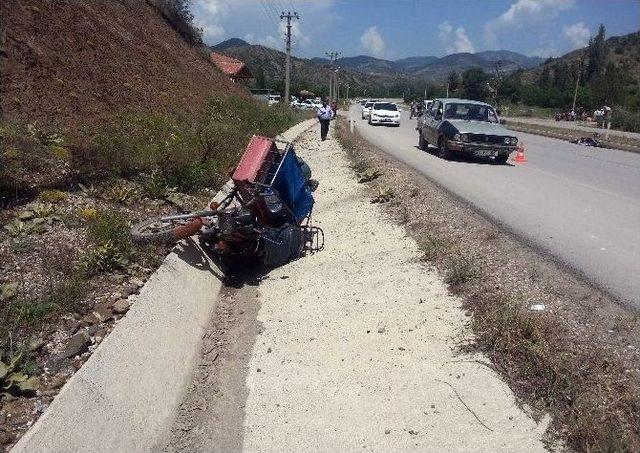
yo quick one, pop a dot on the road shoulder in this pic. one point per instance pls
(576, 358)
(355, 348)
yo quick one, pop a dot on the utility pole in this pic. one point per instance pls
(287, 66)
(447, 91)
(575, 93)
(333, 78)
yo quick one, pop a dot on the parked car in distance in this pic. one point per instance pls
(366, 107)
(273, 99)
(384, 113)
(463, 126)
(306, 104)
(317, 103)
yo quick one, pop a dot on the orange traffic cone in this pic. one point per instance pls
(520, 157)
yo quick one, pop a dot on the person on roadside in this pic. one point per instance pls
(334, 107)
(325, 115)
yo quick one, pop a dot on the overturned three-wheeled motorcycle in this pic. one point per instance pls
(265, 215)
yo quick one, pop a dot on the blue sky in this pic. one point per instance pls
(395, 29)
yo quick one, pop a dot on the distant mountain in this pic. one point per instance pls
(362, 63)
(312, 75)
(412, 64)
(524, 61)
(364, 71)
(229, 43)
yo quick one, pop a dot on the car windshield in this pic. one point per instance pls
(470, 111)
(385, 106)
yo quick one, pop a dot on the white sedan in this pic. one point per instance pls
(305, 104)
(384, 113)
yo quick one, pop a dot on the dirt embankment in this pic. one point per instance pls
(68, 63)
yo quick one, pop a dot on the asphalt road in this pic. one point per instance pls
(580, 204)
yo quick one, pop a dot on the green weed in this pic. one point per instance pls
(461, 271)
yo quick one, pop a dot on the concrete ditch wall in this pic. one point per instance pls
(124, 397)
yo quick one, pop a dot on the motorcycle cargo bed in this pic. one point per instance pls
(258, 162)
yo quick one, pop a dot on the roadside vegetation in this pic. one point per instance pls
(548, 334)
(606, 72)
(66, 260)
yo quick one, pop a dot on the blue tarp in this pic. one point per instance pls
(291, 186)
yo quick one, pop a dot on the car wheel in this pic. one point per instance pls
(443, 149)
(422, 143)
(362, 116)
(501, 158)
(370, 124)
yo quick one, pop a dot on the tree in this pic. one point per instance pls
(474, 84)
(261, 79)
(454, 80)
(179, 16)
(545, 77)
(597, 52)
(562, 78)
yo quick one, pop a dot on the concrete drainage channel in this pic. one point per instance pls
(125, 396)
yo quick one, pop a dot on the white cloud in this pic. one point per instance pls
(278, 41)
(454, 41)
(259, 22)
(272, 41)
(578, 34)
(373, 43)
(208, 15)
(524, 12)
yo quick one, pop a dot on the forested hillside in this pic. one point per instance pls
(607, 72)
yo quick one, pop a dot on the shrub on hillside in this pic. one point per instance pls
(625, 120)
(189, 152)
(131, 144)
(178, 15)
(28, 159)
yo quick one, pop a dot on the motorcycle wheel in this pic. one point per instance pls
(156, 231)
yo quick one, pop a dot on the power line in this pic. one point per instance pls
(273, 18)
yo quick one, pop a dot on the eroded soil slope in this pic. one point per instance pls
(67, 63)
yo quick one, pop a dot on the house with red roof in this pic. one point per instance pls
(235, 69)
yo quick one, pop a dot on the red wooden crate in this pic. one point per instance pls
(253, 159)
